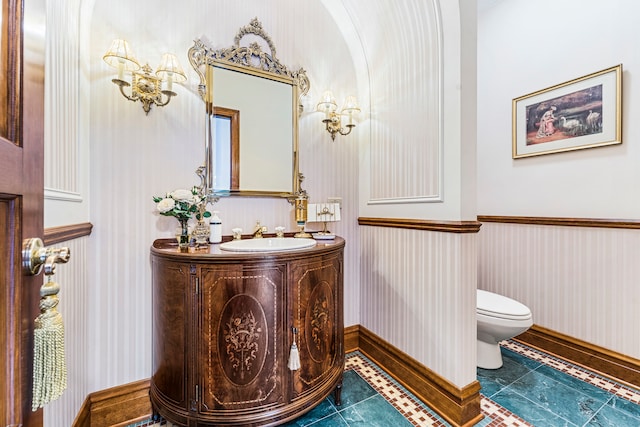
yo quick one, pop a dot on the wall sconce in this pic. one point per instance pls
(332, 119)
(145, 87)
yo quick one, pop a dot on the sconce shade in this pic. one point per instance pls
(143, 85)
(332, 120)
(170, 69)
(350, 105)
(327, 103)
(350, 108)
(121, 56)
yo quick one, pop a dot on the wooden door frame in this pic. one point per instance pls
(22, 196)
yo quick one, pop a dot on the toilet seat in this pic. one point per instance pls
(499, 306)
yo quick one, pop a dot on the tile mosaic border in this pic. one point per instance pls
(149, 423)
(607, 384)
(420, 415)
(416, 412)
(497, 416)
(413, 409)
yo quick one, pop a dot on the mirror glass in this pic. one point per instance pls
(265, 134)
(227, 155)
(252, 106)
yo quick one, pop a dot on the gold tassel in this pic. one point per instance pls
(49, 366)
(294, 356)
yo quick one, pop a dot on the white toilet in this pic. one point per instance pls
(499, 318)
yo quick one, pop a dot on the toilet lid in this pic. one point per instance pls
(495, 305)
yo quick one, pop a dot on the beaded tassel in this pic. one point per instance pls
(49, 366)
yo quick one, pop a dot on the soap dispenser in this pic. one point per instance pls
(216, 228)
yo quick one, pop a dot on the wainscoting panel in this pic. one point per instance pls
(405, 170)
(418, 294)
(406, 146)
(61, 165)
(74, 295)
(579, 281)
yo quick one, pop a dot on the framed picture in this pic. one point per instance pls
(582, 113)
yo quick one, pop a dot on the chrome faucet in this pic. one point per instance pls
(258, 230)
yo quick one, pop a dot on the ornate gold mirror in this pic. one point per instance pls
(252, 104)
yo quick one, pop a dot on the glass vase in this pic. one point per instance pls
(183, 236)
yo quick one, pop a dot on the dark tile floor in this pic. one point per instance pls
(540, 389)
(546, 391)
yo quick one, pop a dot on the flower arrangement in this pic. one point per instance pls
(182, 204)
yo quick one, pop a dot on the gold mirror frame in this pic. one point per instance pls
(251, 60)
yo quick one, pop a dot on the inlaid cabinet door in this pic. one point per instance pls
(241, 327)
(317, 314)
(171, 293)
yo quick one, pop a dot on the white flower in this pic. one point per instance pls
(165, 205)
(182, 204)
(182, 196)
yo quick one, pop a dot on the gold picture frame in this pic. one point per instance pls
(582, 113)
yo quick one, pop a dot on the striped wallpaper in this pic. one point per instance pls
(75, 308)
(414, 289)
(580, 281)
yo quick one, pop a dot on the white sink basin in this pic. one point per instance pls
(267, 244)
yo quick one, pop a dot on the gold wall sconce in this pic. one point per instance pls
(146, 86)
(332, 119)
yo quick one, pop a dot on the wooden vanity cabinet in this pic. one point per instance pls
(223, 326)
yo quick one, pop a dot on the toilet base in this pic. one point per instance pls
(489, 356)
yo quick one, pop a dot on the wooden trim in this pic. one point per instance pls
(609, 363)
(420, 224)
(117, 406)
(54, 235)
(565, 222)
(459, 407)
(83, 418)
(351, 338)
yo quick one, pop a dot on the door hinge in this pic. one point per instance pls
(197, 393)
(197, 286)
